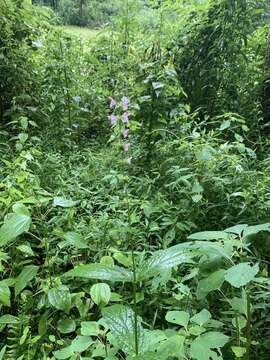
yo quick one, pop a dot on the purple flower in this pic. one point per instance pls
(113, 119)
(125, 102)
(126, 146)
(112, 103)
(125, 117)
(125, 133)
(129, 160)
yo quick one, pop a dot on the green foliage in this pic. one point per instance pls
(134, 225)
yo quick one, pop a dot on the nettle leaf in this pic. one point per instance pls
(78, 345)
(65, 203)
(120, 321)
(100, 294)
(4, 294)
(60, 298)
(201, 318)
(76, 240)
(210, 235)
(201, 347)
(27, 274)
(164, 260)
(211, 283)
(171, 347)
(14, 225)
(101, 272)
(241, 274)
(178, 317)
(237, 229)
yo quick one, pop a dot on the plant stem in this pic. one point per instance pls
(248, 331)
(67, 86)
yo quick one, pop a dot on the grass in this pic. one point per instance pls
(82, 32)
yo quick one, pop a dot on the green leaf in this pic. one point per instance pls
(209, 235)
(2, 352)
(90, 328)
(101, 272)
(252, 230)
(4, 294)
(76, 240)
(25, 249)
(60, 298)
(241, 274)
(211, 283)
(201, 318)
(21, 209)
(65, 353)
(27, 274)
(238, 351)
(237, 229)
(201, 347)
(14, 225)
(164, 260)
(65, 203)
(8, 319)
(81, 343)
(100, 294)
(120, 321)
(66, 326)
(173, 347)
(178, 317)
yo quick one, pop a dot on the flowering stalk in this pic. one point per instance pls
(124, 133)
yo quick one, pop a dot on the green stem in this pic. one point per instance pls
(67, 87)
(248, 329)
(135, 305)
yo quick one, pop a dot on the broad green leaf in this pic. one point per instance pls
(76, 240)
(21, 209)
(64, 353)
(173, 347)
(211, 283)
(201, 318)
(209, 235)
(120, 321)
(4, 294)
(237, 229)
(14, 225)
(201, 347)
(164, 260)
(25, 249)
(241, 274)
(100, 294)
(152, 340)
(81, 343)
(65, 203)
(238, 351)
(90, 328)
(252, 230)
(8, 319)
(101, 272)
(60, 298)
(27, 274)
(66, 326)
(178, 317)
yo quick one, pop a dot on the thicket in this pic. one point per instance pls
(134, 184)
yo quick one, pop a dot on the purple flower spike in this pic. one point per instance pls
(126, 146)
(113, 119)
(125, 117)
(129, 160)
(125, 103)
(125, 133)
(112, 103)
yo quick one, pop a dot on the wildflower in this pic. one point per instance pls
(125, 133)
(126, 146)
(112, 103)
(77, 99)
(113, 119)
(129, 160)
(125, 117)
(125, 103)
(37, 44)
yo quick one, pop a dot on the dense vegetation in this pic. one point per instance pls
(134, 182)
